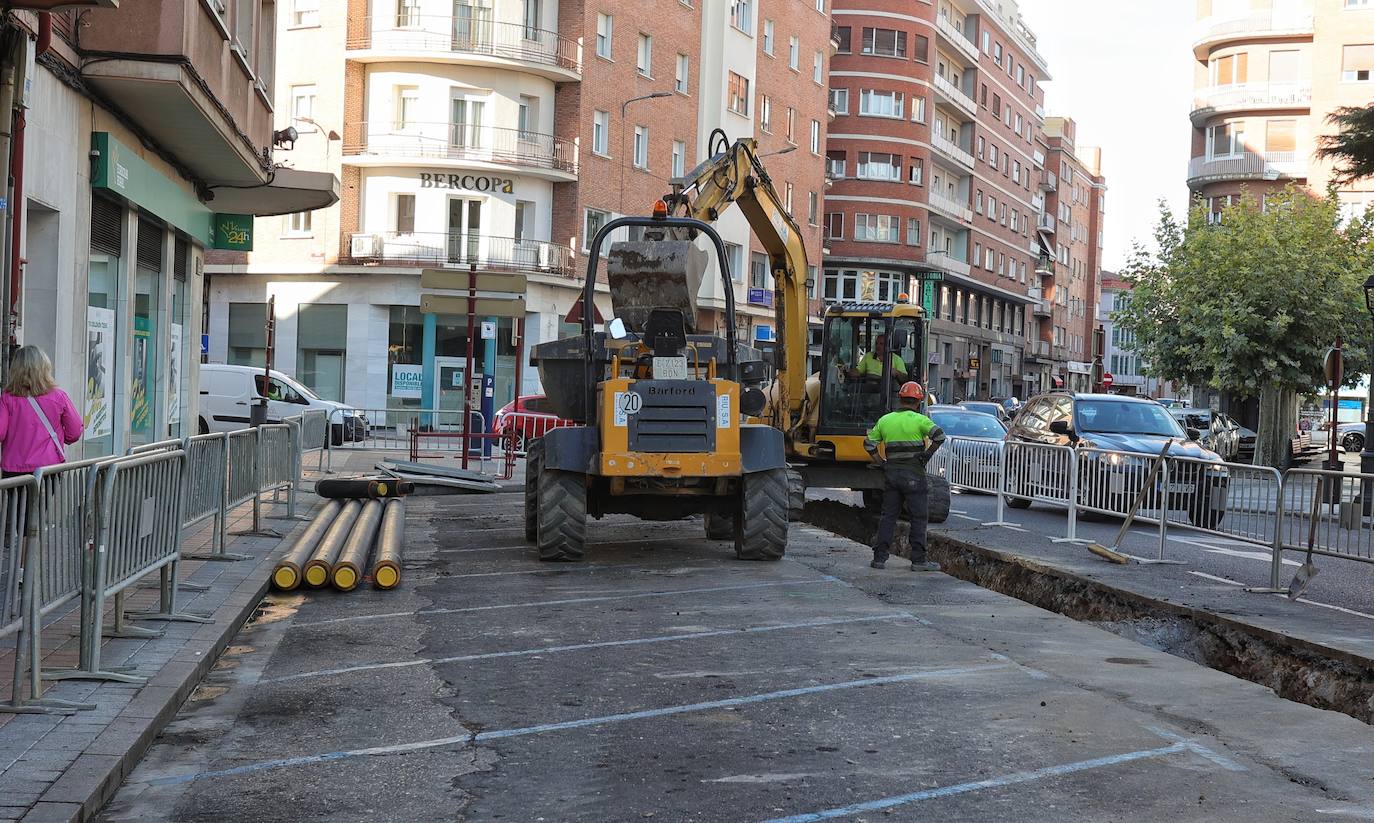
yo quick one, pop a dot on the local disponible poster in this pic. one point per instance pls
(99, 360)
(174, 377)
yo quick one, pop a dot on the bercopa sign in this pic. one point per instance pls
(466, 182)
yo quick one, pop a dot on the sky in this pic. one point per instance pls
(1123, 71)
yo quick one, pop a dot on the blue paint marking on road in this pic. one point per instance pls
(736, 701)
(979, 785)
(573, 647)
(568, 601)
(452, 740)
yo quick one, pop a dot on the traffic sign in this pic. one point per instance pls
(1107, 379)
(481, 306)
(575, 313)
(458, 280)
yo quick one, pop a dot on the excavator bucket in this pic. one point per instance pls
(653, 274)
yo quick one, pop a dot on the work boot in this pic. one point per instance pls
(924, 566)
(878, 563)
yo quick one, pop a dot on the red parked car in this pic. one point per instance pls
(526, 418)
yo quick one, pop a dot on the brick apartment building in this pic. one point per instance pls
(503, 134)
(1267, 74)
(1072, 227)
(937, 173)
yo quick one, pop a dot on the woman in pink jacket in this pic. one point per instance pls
(37, 419)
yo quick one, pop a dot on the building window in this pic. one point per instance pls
(407, 107)
(997, 53)
(841, 35)
(641, 147)
(758, 271)
(766, 113)
(303, 108)
(305, 13)
(404, 217)
(321, 340)
(876, 228)
(527, 117)
(768, 37)
(913, 231)
(791, 124)
(592, 223)
(644, 58)
(874, 103)
(605, 28)
(817, 68)
(922, 49)
(734, 257)
(247, 336)
(839, 101)
(835, 163)
(679, 158)
(1225, 140)
(407, 14)
(879, 166)
(601, 127)
(1231, 69)
(794, 53)
(531, 19)
(834, 226)
(918, 110)
(812, 207)
(682, 72)
(787, 198)
(1280, 136)
(884, 42)
(816, 137)
(1357, 64)
(298, 224)
(738, 87)
(742, 15)
(917, 172)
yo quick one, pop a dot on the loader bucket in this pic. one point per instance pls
(652, 274)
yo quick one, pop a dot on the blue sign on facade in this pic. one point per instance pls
(760, 297)
(205, 344)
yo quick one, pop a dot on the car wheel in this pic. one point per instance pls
(1353, 442)
(203, 427)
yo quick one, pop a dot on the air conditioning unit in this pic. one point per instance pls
(365, 246)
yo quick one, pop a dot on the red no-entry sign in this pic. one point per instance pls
(1107, 380)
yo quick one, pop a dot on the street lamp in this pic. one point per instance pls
(623, 107)
(1367, 454)
(787, 150)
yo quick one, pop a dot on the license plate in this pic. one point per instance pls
(1180, 488)
(670, 368)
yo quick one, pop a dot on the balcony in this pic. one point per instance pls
(949, 207)
(1038, 348)
(1038, 203)
(1040, 112)
(948, 264)
(459, 250)
(387, 37)
(1274, 165)
(952, 150)
(1040, 307)
(1049, 181)
(955, 96)
(1216, 100)
(1262, 25)
(1046, 223)
(460, 145)
(955, 36)
(1044, 266)
(1038, 157)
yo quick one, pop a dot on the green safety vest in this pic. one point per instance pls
(868, 364)
(909, 436)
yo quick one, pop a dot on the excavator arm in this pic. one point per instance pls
(733, 174)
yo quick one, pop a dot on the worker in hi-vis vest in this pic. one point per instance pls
(904, 440)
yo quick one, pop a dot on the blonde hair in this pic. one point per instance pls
(30, 373)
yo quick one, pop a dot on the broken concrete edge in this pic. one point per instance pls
(1295, 668)
(96, 775)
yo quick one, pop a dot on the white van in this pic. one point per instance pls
(227, 394)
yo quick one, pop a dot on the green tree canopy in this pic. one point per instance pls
(1353, 147)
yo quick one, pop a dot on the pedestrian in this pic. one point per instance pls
(37, 419)
(904, 440)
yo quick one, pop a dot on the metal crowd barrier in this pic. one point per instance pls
(517, 429)
(279, 459)
(1324, 511)
(1039, 472)
(315, 434)
(444, 431)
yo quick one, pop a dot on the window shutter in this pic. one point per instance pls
(107, 234)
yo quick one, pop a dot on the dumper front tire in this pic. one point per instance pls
(562, 515)
(533, 458)
(761, 527)
(719, 527)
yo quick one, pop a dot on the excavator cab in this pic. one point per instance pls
(867, 354)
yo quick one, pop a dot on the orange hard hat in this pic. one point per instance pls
(911, 391)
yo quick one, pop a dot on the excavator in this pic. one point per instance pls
(823, 414)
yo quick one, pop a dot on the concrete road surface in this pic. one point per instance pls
(664, 680)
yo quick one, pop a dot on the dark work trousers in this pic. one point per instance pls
(905, 485)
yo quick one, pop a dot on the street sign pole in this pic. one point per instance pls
(467, 372)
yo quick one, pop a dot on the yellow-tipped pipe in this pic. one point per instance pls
(386, 570)
(287, 575)
(321, 564)
(348, 571)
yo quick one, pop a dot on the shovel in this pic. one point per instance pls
(1307, 570)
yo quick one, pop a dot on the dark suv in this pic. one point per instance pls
(1107, 430)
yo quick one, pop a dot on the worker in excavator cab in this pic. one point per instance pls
(903, 441)
(870, 366)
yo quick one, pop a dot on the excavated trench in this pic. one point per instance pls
(1292, 669)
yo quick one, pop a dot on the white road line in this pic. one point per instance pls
(1328, 606)
(966, 517)
(500, 734)
(576, 647)
(1213, 577)
(1260, 556)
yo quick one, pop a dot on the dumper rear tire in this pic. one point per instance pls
(761, 527)
(533, 459)
(562, 515)
(719, 527)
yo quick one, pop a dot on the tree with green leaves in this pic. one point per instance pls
(1353, 146)
(1249, 303)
